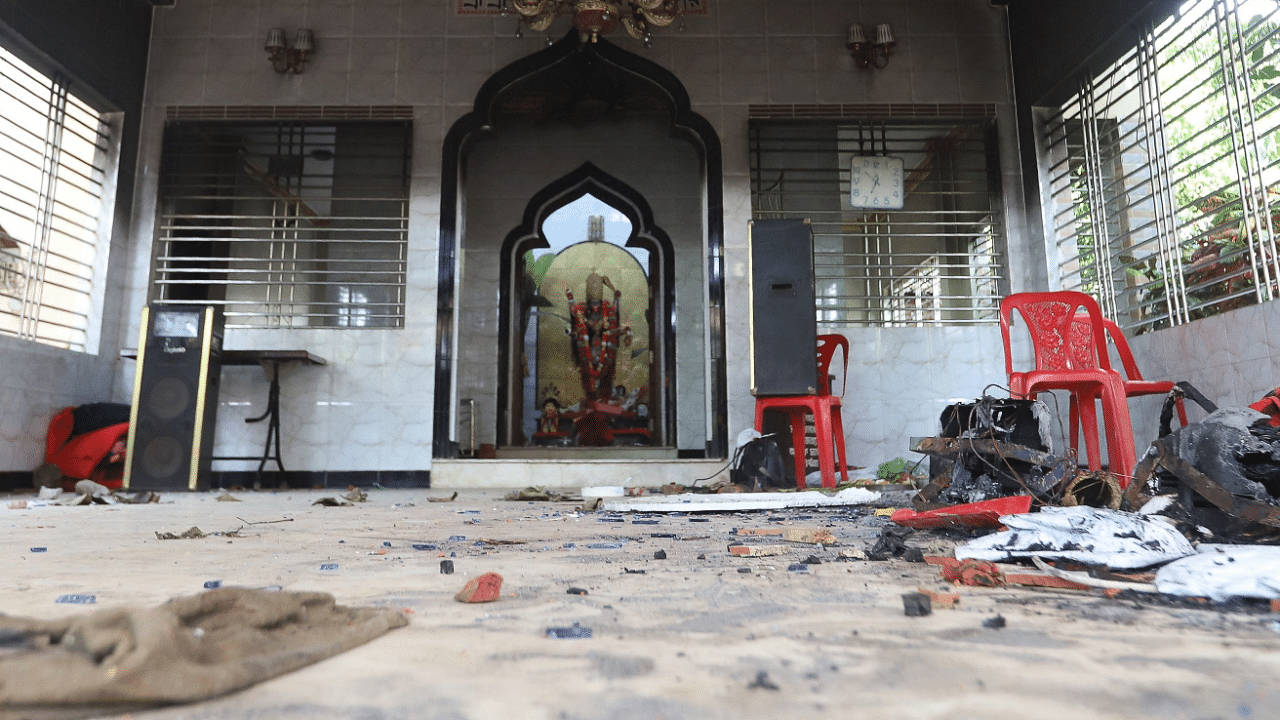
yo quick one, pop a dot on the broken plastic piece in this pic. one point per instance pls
(985, 514)
(212, 584)
(576, 591)
(77, 599)
(39, 549)
(994, 623)
(423, 546)
(446, 567)
(329, 566)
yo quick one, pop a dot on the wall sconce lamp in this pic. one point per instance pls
(870, 55)
(292, 58)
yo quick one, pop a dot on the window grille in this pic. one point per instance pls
(286, 224)
(1164, 192)
(939, 260)
(54, 154)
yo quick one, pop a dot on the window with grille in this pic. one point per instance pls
(55, 151)
(938, 260)
(286, 224)
(1164, 190)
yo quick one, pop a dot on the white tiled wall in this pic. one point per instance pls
(370, 408)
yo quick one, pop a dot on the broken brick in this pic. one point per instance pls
(946, 600)
(812, 536)
(757, 550)
(486, 588)
(979, 573)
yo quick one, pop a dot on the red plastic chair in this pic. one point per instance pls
(825, 408)
(93, 453)
(1134, 386)
(1067, 358)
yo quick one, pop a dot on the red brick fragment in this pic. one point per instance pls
(1275, 605)
(943, 600)
(980, 573)
(1043, 580)
(486, 588)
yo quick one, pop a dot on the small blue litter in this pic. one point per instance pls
(576, 632)
(604, 546)
(212, 584)
(570, 546)
(423, 546)
(699, 519)
(39, 549)
(457, 538)
(329, 566)
(478, 543)
(453, 554)
(77, 599)
(797, 567)
(645, 522)
(663, 535)
(386, 543)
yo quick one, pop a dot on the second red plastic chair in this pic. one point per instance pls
(825, 408)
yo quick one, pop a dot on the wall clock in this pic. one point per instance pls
(875, 181)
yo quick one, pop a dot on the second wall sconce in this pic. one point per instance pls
(292, 58)
(870, 55)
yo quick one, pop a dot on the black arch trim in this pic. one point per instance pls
(686, 121)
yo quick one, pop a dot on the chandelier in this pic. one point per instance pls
(594, 18)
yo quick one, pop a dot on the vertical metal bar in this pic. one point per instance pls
(32, 310)
(1265, 285)
(1162, 190)
(1231, 95)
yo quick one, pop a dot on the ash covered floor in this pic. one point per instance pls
(689, 636)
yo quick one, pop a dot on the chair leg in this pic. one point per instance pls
(1120, 451)
(837, 423)
(1089, 426)
(796, 417)
(822, 438)
(1073, 425)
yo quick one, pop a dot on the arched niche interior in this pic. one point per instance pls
(588, 232)
(574, 120)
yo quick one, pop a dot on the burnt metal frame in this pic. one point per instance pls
(686, 123)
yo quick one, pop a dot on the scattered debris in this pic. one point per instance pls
(762, 682)
(77, 599)
(978, 573)
(995, 623)
(1219, 572)
(891, 544)
(798, 568)
(482, 589)
(451, 498)
(1097, 536)
(227, 497)
(267, 522)
(1099, 489)
(331, 502)
(852, 554)
(1089, 579)
(212, 584)
(696, 502)
(629, 571)
(659, 554)
(17, 504)
(446, 567)
(576, 591)
(491, 541)
(744, 570)
(916, 604)
(536, 493)
(193, 533)
(356, 495)
(328, 567)
(758, 550)
(577, 632)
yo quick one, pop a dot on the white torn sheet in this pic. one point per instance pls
(1220, 572)
(693, 502)
(1095, 536)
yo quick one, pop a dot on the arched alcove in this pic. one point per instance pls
(587, 119)
(657, 395)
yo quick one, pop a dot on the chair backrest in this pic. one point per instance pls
(827, 345)
(1059, 341)
(1116, 336)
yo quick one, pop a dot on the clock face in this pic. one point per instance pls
(875, 182)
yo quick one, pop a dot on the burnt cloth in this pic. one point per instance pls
(188, 649)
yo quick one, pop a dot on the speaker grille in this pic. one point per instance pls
(169, 397)
(163, 456)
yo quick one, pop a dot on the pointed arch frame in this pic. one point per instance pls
(685, 122)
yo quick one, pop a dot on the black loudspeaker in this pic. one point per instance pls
(784, 320)
(175, 398)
